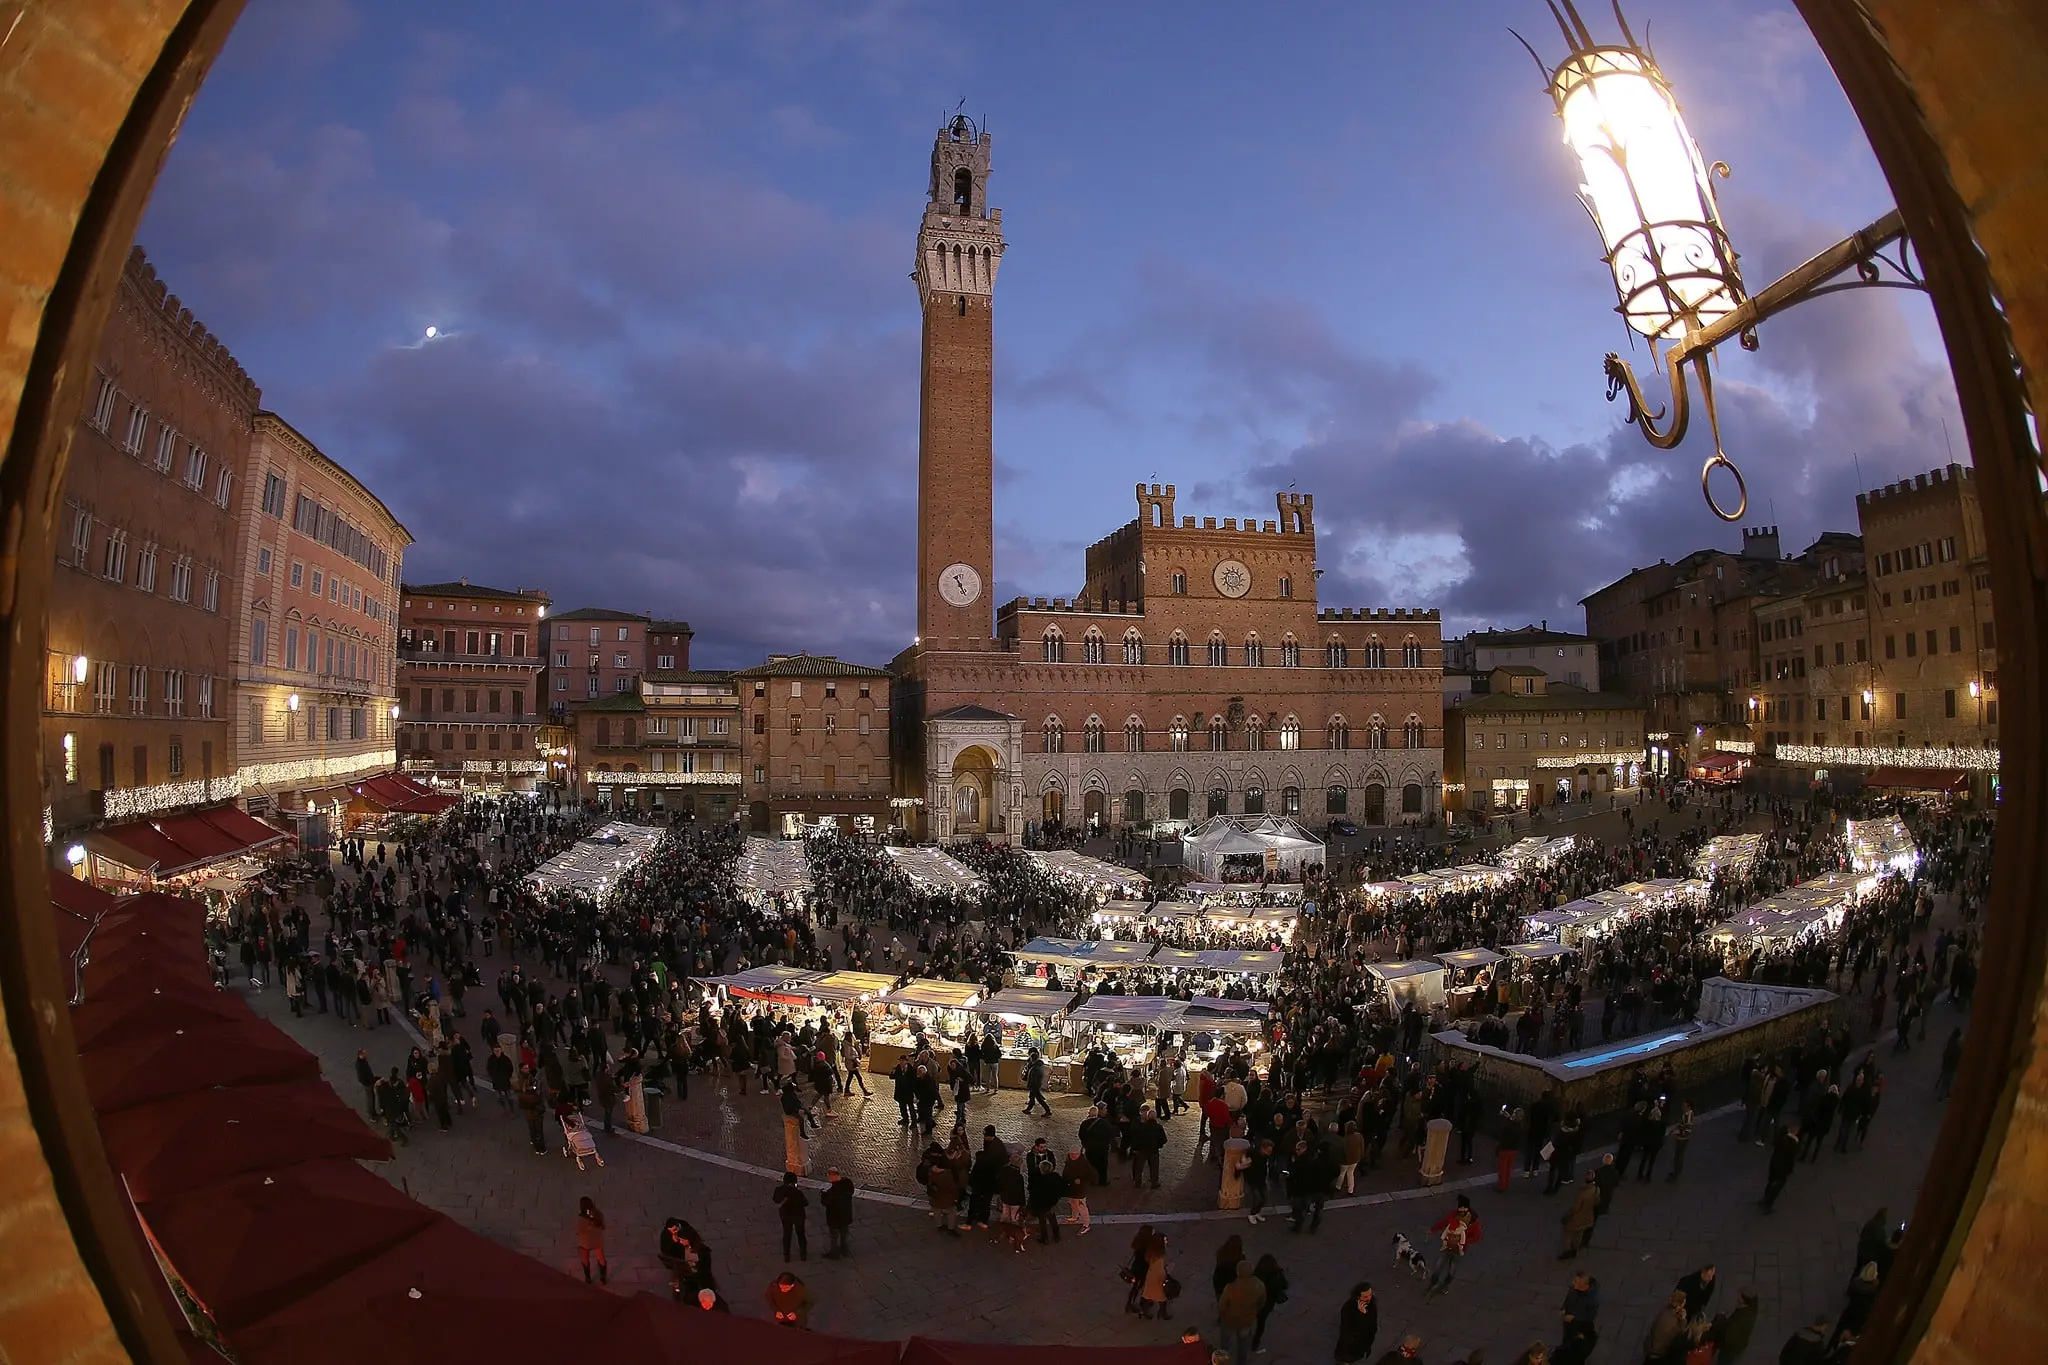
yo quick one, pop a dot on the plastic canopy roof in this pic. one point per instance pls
(1469, 957)
(1247, 964)
(1130, 1011)
(1534, 951)
(1027, 1001)
(947, 995)
(1399, 971)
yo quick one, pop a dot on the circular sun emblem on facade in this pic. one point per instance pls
(1233, 579)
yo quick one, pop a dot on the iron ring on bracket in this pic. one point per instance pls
(1741, 487)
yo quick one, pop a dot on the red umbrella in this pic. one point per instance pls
(192, 1140)
(261, 1242)
(123, 1075)
(447, 1294)
(121, 1016)
(657, 1329)
(925, 1351)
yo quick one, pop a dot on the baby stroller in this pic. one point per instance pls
(576, 1139)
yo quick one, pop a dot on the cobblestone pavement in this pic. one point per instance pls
(904, 1278)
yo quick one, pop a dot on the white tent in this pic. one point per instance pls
(1282, 841)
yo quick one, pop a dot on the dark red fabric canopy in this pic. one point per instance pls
(123, 1075)
(657, 1330)
(448, 1294)
(189, 1141)
(175, 1002)
(925, 1351)
(1919, 779)
(251, 1246)
(178, 843)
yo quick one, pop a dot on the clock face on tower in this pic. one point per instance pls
(960, 585)
(1233, 579)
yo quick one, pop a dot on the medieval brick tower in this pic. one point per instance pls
(959, 246)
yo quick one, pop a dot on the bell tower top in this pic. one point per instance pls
(960, 242)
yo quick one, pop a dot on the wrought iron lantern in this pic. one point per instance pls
(1676, 275)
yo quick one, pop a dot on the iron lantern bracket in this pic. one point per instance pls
(1858, 261)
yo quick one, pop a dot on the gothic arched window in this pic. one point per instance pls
(1091, 646)
(963, 192)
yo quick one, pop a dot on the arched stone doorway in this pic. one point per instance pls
(1052, 807)
(1947, 95)
(975, 808)
(1092, 809)
(1375, 796)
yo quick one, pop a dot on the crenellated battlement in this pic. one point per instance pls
(1379, 614)
(1943, 481)
(189, 330)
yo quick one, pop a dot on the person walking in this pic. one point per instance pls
(605, 1087)
(1607, 1178)
(1034, 1082)
(1134, 1269)
(533, 1104)
(1237, 1313)
(498, 1067)
(1784, 1158)
(1358, 1325)
(366, 1076)
(1564, 1151)
(1075, 1176)
(590, 1240)
(1513, 1123)
(1148, 1135)
(837, 1201)
(942, 1188)
(1354, 1152)
(1275, 1279)
(1681, 1138)
(1047, 1186)
(1580, 1217)
(1579, 1317)
(790, 1203)
(1237, 1160)
(1458, 1232)
(1158, 1287)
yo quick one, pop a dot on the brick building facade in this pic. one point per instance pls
(138, 655)
(671, 742)
(319, 559)
(1532, 741)
(816, 744)
(1194, 673)
(469, 697)
(593, 654)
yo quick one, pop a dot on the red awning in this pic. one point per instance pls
(1919, 779)
(182, 1143)
(258, 1244)
(1719, 761)
(400, 795)
(180, 843)
(925, 1351)
(659, 1331)
(175, 1002)
(125, 1074)
(447, 1294)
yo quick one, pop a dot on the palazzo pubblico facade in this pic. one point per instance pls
(1194, 674)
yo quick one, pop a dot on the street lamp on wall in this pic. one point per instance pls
(78, 668)
(1651, 196)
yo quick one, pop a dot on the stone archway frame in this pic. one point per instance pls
(93, 91)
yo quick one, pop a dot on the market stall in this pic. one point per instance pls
(1107, 879)
(1124, 1026)
(174, 852)
(1207, 1027)
(932, 869)
(1534, 852)
(771, 869)
(1207, 894)
(1470, 977)
(776, 985)
(865, 992)
(1232, 962)
(939, 1012)
(1250, 848)
(1421, 983)
(1026, 1017)
(1729, 853)
(1880, 845)
(593, 865)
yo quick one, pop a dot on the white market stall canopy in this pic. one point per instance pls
(1242, 893)
(1091, 872)
(846, 987)
(1282, 842)
(1464, 959)
(1730, 852)
(1537, 952)
(764, 981)
(1062, 952)
(1244, 964)
(1876, 845)
(1026, 1002)
(594, 865)
(772, 867)
(1126, 1011)
(1534, 852)
(1422, 982)
(931, 869)
(1212, 1014)
(937, 995)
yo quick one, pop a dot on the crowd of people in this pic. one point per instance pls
(587, 1002)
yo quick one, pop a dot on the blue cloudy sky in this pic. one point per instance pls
(1331, 246)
